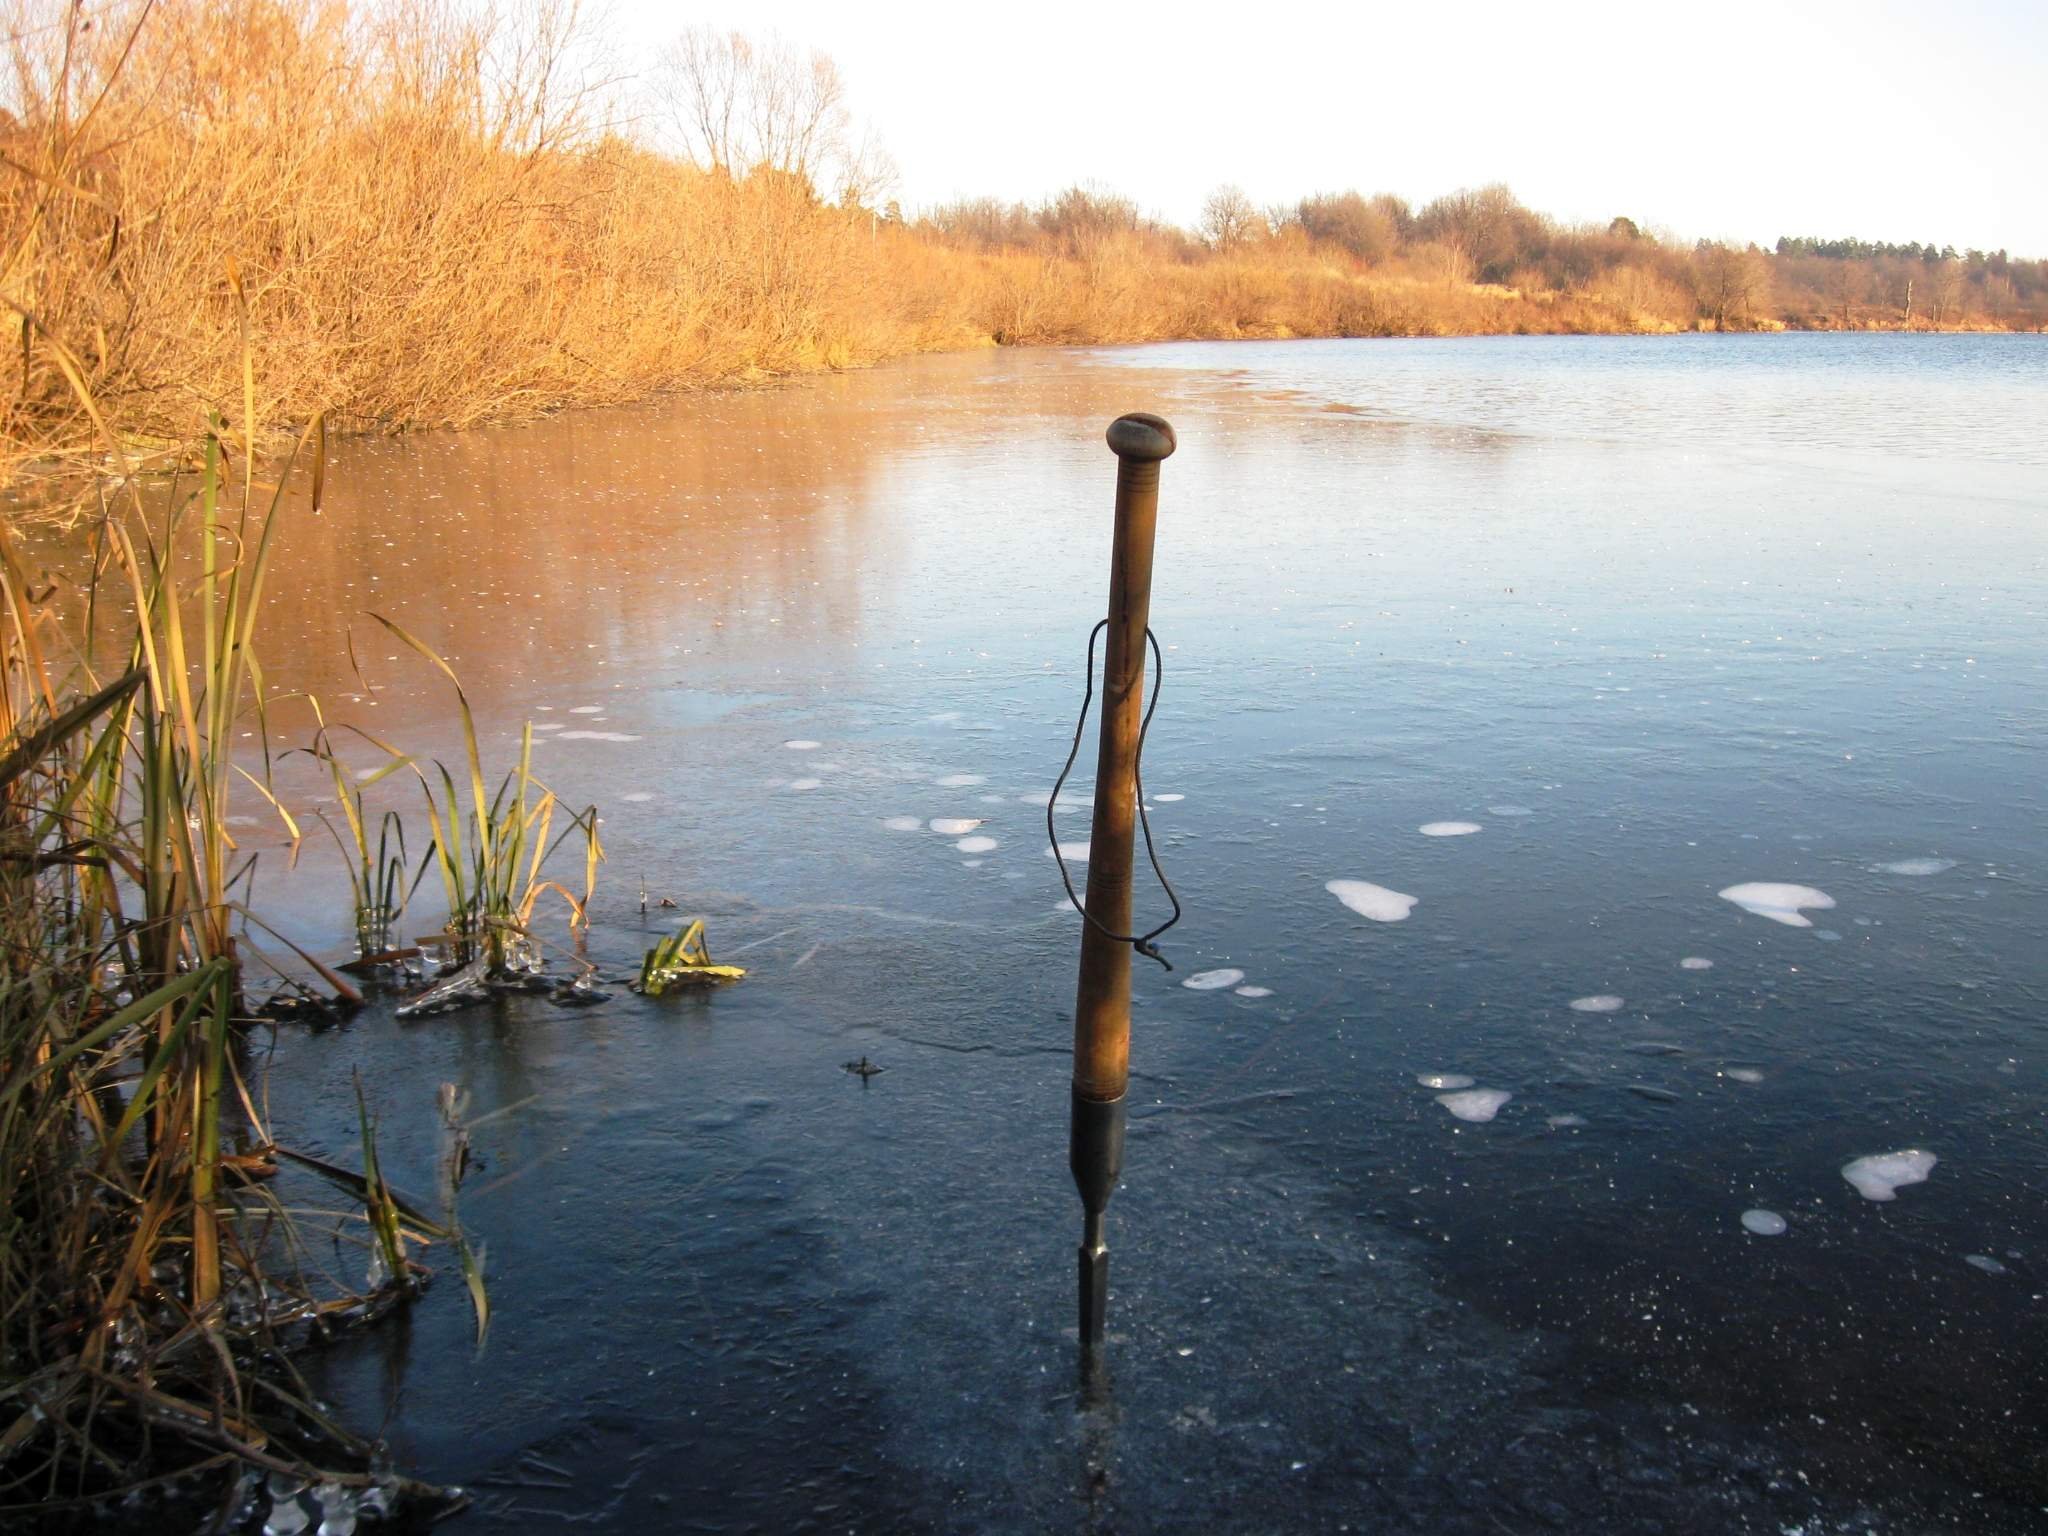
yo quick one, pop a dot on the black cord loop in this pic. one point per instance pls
(1143, 943)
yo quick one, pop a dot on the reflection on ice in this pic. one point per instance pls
(1443, 1080)
(1373, 901)
(1475, 1104)
(1779, 903)
(1210, 981)
(1879, 1176)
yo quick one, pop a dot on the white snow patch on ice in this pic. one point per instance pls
(1881, 1175)
(1475, 1104)
(1918, 866)
(1448, 828)
(1254, 991)
(976, 844)
(1605, 1002)
(1210, 981)
(1780, 903)
(1372, 901)
(1765, 1223)
(960, 780)
(953, 826)
(1695, 963)
(803, 745)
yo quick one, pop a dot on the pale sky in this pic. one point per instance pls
(1720, 118)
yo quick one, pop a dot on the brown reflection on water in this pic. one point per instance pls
(740, 534)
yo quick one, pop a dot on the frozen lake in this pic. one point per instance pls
(1614, 766)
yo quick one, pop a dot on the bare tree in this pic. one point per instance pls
(738, 103)
(1730, 283)
(1229, 219)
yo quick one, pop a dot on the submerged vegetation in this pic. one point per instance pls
(445, 214)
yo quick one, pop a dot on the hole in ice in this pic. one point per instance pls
(587, 709)
(1475, 1104)
(902, 823)
(1510, 810)
(1076, 853)
(1565, 1122)
(960, 780)
(803, 746)
(975, 844)
(1448, 828)
(1918, 866)
(595, 736)
(805, 783)
(638, 797)
(1444, 1080)
(1985, 1262)
(1254, 991)
(1765, 1223)
(953, 826)
(1779, 903)
(1695, 963)
(1168, 799)
(1605, 1002)
(1209, 981)
(1373, 901)
(1881, 1175)
(1743, 1074)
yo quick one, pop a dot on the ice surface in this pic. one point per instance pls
(953, 826)
(975, 844)
(1605, 1002)
(1210, 981)
(1444, 1080)
(1373, 901)
(1475, 1104)
(1918, 866)
(1765, 1223)
(1779, 903)
(1695, 963)
(1881, 1175)
(1448, 828)
(902, 823)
